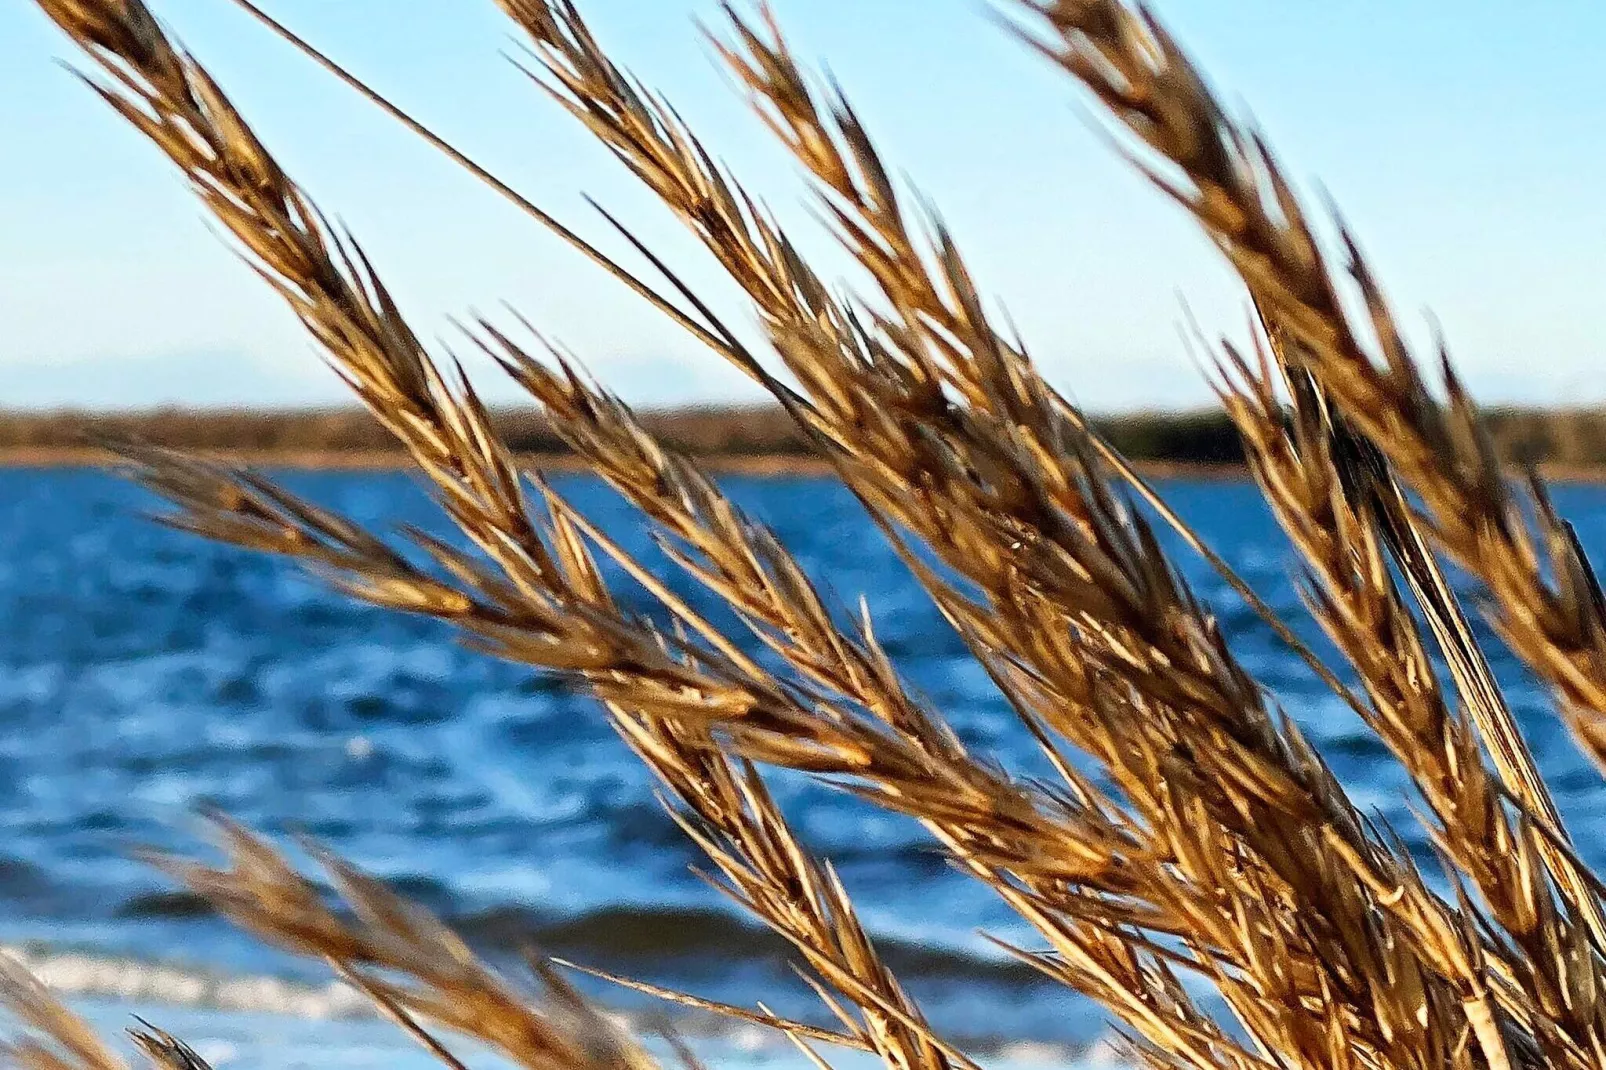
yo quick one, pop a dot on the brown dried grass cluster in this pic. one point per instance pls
(1223, 850)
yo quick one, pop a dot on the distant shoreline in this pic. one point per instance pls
(776, 464)
(390, 460)
(760, 440)
(758, 464)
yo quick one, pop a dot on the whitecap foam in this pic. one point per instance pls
(76, 973)
(80, 975)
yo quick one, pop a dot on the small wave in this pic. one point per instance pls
(645, 934)
(22, 881)
(179, 904)
(77, 974)
(683, 934)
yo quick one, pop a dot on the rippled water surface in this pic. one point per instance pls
(143, 672)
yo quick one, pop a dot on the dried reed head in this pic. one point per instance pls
(1220, 846)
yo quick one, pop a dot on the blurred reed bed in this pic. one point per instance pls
(1215, 853)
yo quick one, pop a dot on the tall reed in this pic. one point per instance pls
(1223, 848)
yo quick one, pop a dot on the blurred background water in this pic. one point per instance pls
(145, 672)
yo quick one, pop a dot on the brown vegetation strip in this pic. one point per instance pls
(1564, 444)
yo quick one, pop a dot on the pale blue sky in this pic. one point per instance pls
(1463, 140)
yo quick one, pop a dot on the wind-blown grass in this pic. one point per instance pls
(1223, 849)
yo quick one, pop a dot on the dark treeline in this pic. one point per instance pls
(710, 431)
(1571, 437)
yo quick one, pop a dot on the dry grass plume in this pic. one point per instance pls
(1225, 849)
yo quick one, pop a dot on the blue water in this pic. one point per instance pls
(144, 672)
